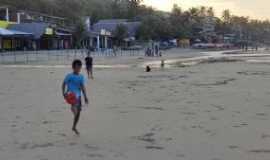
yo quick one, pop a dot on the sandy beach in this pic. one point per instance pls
(208, 111)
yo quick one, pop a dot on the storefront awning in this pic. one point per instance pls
(62, 34)
(7, 32)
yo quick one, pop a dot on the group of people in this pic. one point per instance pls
(153, 51)
(75, 84)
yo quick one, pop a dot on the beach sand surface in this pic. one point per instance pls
(217, 111)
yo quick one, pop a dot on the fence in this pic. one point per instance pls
(59, 56)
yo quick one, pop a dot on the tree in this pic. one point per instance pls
(226, 16)
(120, 33)
(202, 11)
(79, 34)
(155, 27)
(180, 23)
(210, 12)
(133, 7)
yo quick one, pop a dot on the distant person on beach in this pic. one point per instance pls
(74, 83)
(148, 69)
(162, 64)
(156, 50)
(89, 65)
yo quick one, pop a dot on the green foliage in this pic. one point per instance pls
(155, 24)
(155, 27)
(120, 33)
(79, 34)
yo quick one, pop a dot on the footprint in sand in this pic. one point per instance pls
(123, 112)
(260, 151)
(62, 134)
(210, 132)
(55, 111)
(151, 108)
(90, 147)
(264, 136)
(261, 114)
(180, 155)
(233, 147)
(24, 146)
(95, 155)
(156, 128)
(218, 107)
(46, 145)
(147, 138)
(27, 145)
(154, 148)
(240, 125)
(213, 118)
(18, 117)
(72, 144)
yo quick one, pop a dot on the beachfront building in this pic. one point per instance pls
(45, 37)
(48, 32)
(9, 14)
(101, 35)
(14, 40)
(208, 28)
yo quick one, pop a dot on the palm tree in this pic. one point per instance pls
(202, 11)
(210, 12)
(226, 16)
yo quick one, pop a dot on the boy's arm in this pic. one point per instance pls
(63, 89)
(85, 94)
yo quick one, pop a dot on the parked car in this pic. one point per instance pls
(212, 45)
(165, 46)
(133, 48)
(203, 45)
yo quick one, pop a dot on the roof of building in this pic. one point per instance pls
(111, 24)
(37, 29)
(112, 21)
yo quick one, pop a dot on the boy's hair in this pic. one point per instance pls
(76, 63)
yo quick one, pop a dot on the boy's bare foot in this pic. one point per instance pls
(76, 131)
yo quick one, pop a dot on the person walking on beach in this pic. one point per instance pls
(74, 84)
(89, 65)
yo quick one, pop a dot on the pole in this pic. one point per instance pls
(7, 15)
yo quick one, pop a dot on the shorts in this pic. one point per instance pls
(89, 67)
(78, 105)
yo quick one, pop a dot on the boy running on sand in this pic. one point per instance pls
(75, 83)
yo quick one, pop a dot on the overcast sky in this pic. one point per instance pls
(252, 8)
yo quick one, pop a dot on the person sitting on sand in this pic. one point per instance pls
(162, 64)
(89, 66)
(75, 83)
(148, 69)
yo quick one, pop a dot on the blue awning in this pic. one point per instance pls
(20, 33)
(7, 32)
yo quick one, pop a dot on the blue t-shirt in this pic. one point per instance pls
(74, 83)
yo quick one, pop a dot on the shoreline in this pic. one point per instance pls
(185, 60)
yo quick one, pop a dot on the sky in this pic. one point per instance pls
(253, 8)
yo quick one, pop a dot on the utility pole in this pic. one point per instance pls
(7, 14)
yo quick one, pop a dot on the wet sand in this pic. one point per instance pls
(216, 111)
